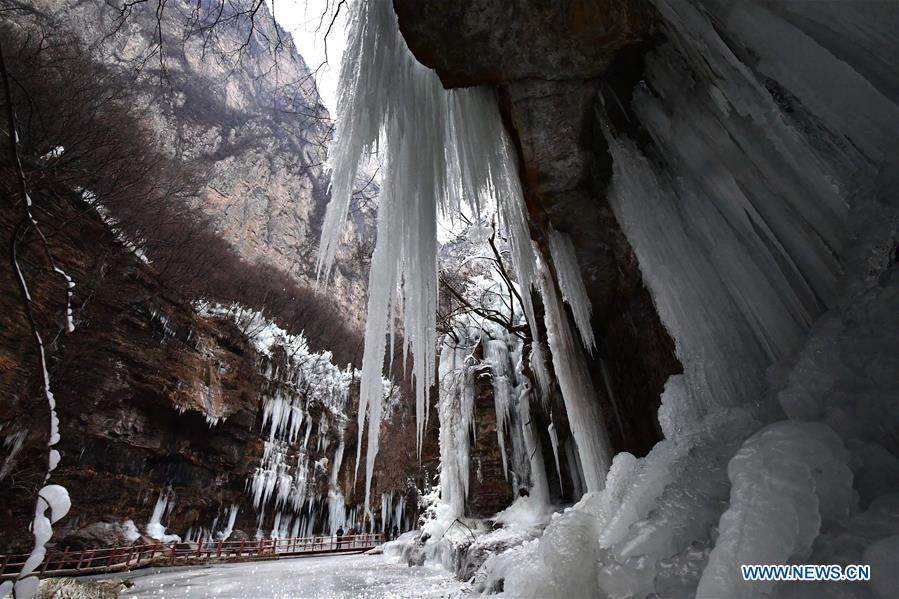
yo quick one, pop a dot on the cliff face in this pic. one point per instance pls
(161, 404)
(549, 63)
(157, 400)
(137, 352)
(239, 103)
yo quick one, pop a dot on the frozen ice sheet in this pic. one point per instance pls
(344, 576)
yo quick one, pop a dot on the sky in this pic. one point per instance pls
(304, 20)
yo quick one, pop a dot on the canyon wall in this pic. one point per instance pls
(155, 399)
(238, 102)
(159, 401)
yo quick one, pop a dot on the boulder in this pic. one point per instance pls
(97, 534)
(238, 535)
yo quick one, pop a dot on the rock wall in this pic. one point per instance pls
(136, 354)
(153, 398)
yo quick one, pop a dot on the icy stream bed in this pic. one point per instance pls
(369, 576)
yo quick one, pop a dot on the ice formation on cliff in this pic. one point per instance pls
(763, 216)
(155, 528)
(477, 346)
(52, 497)
(305, 392)
(439, 150)
(761, 206)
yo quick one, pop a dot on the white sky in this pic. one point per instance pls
(304, 20)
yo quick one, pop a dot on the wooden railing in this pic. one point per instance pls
(92, 561)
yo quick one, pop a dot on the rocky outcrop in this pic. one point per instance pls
(550, 64)
(489, 489)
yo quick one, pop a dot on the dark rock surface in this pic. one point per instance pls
(489, 42)
(489, 491)
(121, 380)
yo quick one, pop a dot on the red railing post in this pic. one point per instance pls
(62, 560)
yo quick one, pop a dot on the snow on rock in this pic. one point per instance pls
(399, 546)
(135, 247)
(129, 530)
(525, 513)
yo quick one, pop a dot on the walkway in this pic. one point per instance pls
(114, 559)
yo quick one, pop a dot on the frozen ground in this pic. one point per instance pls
(349, 576)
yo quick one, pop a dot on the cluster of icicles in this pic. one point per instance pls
(517, 438)
(762, 213)
(297, 380)
(439, 150)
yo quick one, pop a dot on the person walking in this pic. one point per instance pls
(339, 536)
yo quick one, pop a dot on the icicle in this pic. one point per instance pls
(440, 146)
(398, 514)
(337, 462)
(554, 439)
(539, 486)
(540, 369)
(581, 403)
(496, 354)
(155, 528)
(232, 518)
(455, 378)
(571, 284)
(386, 500)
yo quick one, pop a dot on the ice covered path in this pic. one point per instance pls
(334, 576)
